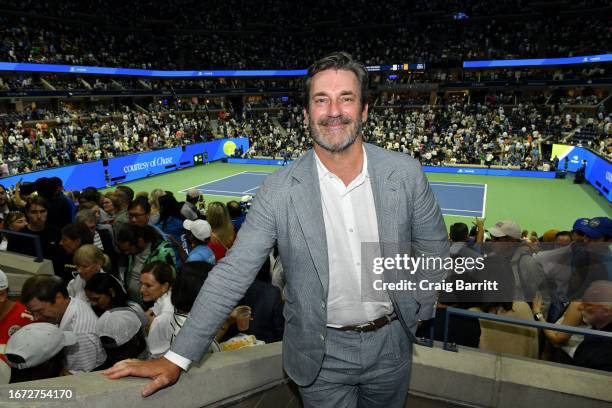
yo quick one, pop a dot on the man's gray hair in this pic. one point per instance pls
(337, 61)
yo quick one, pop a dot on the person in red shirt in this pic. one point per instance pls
(13, 315)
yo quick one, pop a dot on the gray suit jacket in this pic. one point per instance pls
(287, 211)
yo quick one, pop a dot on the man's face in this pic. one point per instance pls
(335, 114)
(563, 240)
(132, 249)
(596, 313)
(69, 245)
(138, 216)
(37, 216)
(48, 312)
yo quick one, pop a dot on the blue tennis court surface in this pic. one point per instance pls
(459, 199)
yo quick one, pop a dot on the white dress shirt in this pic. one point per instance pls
(350, 219)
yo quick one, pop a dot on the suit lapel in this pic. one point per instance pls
(306, 198)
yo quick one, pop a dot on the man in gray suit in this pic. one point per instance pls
(340, 348)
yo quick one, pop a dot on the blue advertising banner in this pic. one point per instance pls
(271, 162)
(489, 172)
(75, 177)
(586, 59)
(598, 170)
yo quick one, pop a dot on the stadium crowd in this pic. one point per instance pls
(129, 265)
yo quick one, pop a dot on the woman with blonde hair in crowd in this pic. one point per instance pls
(154, 201)
(89, 260)
(223, 234)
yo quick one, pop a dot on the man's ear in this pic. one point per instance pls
(306, 118)
(364, 113)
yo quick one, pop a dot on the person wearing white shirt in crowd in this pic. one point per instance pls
(46, 297)
(156, 282)
(88, 260)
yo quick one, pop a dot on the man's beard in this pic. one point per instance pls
(344, 144)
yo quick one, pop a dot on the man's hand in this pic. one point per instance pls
(162, 372)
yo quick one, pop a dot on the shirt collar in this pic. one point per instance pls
(323, 171)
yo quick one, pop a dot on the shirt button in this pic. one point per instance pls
(350, 230)
(322, 337)
(323, 305)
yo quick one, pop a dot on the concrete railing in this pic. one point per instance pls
(254, 378)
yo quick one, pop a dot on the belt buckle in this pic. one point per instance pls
(364, 327)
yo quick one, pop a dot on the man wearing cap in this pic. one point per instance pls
(528, 274)
(198, 235)
(46, 297)
(35, 352)
(189, 209)
(121, 331)
(13, 315)
(596, 307)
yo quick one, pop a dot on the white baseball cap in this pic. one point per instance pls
(118, 325)
(193, 193)
(36, 343)
(3, 280)
(199, 228)
(506, 228)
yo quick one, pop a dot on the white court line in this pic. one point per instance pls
(257, 173)
(233, 193)
(213, 181)
(456, 182)
(458, 185)
(246, 191)
(484, 202)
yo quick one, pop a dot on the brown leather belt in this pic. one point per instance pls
(370, 326)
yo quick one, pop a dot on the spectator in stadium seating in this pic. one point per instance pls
(266, 305)
(596, 352)
(507, 238)
(222, 235)
(6, 205)
(236, 214)
(103, 220)
(170, 217)
(106, 292)
(190, 211)
(38, 351)
(36, 211)
(121, 332)
(139, 212)
(102, 236)
(58, 205)
(121, 200)
(198, 235)
(156, 282)
(73, 237)
(577, 229)
(13, 315)
(154, 200)
(143, 245)
(562, 238)
(14, 221)
(459, 236)
(508, 338)
(564, 344)
(46, 297)
(108, 207)
(88, 260)
(127, 190)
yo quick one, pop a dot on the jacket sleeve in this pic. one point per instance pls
(229, 280)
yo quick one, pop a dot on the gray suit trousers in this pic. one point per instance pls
(364, 370)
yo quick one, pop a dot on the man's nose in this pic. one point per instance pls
(334, 109)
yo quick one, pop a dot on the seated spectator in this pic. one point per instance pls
(122, 334)
(59, 207)
(36, 211)
(184, 293)
(108, 207)
(596, 352)
(198, 236)
(105, 292)
(223, 234)
(142, 245)
(88, 260)
(139, 212)
(508, 338)
(156, 282)
(562, 238)
(154, 201)
(73, 237)
(189, 210)
(6, 206)
(170, 218)
(38, 351)
(13, 221)
(121, 200)
(236, 214)
(13, 315)
(102, 237)
(46, 297)
(460, 247)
